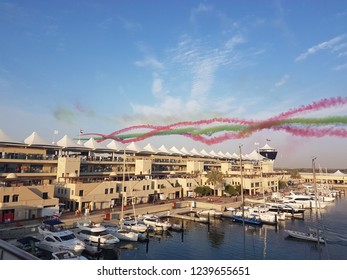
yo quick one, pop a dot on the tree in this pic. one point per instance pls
(215, 177)
(196, 173)
(232, 190)
(202, 191)
(294, 174)
(282, 185)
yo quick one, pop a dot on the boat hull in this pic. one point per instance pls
(251, 221)
(309, 236)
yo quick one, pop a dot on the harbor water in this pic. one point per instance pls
(224, 239)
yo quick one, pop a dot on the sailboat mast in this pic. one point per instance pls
(123, 183)
(316, 197)
(241, 178)
(243, 206)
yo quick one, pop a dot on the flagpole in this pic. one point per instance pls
(54, 133)
(79, 136)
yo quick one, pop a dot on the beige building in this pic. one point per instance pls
(37, 177)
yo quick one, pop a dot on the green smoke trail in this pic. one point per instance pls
(240, 129)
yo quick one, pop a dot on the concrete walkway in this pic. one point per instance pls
(19, 229)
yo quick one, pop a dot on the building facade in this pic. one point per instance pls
(37, 178)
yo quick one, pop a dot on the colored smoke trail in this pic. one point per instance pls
(235, 128)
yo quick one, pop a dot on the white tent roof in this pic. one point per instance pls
(338, 172)
(235, 156)
(93, 144)
(204, 153)
(245, 157)
(185, 151)
(150, 149)
(162, 149)
(4, 138)
(214, 154)
(176, 151)
(255, 156)
(114, 145)
(221, 155)
(36, 140)
(133, 147)
(67, 142)
(229, 155)
(267, 147)
(194, 152)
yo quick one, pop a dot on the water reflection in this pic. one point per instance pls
(225, 239)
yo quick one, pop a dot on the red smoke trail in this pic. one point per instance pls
(253, 126)
(314, 132)
(315, 106)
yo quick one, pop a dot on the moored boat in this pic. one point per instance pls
(155, 222)
(55, 238)
(311, 235)
(95, 234)
(252, 220)
(121, 233)
(212, 213)
(66, 255)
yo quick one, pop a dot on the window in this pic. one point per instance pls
(106, 191)
(6, 198)
(45, 195)
(111, 190)
(80, 193)
(15, 198)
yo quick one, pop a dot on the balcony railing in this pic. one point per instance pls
(11, 252)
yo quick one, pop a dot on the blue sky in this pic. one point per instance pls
(101, 66)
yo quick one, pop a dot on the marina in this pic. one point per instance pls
(225, 239)
(222, 237)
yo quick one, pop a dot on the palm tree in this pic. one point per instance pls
(215, 177)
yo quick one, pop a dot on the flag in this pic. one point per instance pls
(256, 144)
(56, 215)
(81, 131)
(268, 140)
(55, 131)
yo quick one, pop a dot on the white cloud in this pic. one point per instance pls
(196, 63)
(340, 67)
(321, 46)
(282, 81)
(157, 88)
(151, 62)
(202, 8)
(203, 78)
(342, 54)
(169, 106)
(130, 25)
(234, 41)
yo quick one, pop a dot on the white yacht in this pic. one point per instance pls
(265, 215)
(95, 234)
(311, 235)
(155, 223)
(54, 237)
(133, 225)
(121, 233)
(307, 201)
(212, 213)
